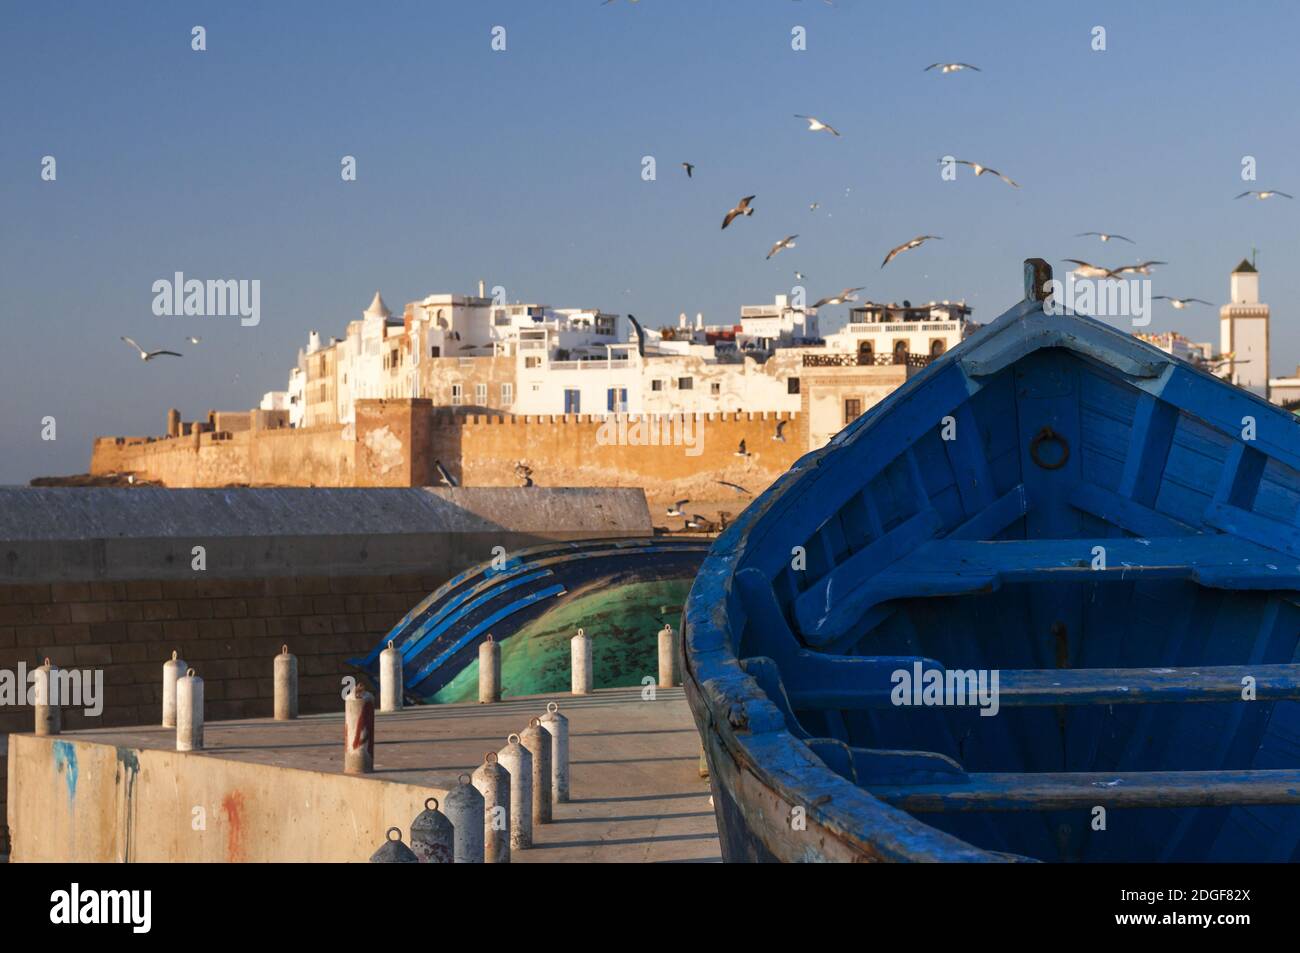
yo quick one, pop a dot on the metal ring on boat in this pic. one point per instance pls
(1047, 433)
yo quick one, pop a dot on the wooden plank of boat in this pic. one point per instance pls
(1082, 791)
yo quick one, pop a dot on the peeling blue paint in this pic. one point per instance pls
(65, 760)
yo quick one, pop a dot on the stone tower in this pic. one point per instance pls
(1243, 332)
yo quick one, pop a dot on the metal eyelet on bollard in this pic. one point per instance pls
(432, 835)
(558, 726)
(493, 782)
(393, 850)
(518, 760)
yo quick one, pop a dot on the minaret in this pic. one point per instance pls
(1243, 332)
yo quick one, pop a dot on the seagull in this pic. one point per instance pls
(150, 355)
(445, 478)
(814, 206)
(780, 426)
(981, 169)
(193, 340)
(1180, 303)
(1265, 194)
(735, 486)
(1105, 236)
(1088, 270)
(696, 522)
(676, 508)
(1143, 268)
(741, 451)
(689, 169)
(742, 208)
(848, 294)
(799, 276)
(787, 242)
(816, 125)
(951, 67)
(914, 243)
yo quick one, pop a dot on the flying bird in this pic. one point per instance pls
(848, 294)
(445, 478)
(780, 428)
(906, 246)
(193, 340)
(816, 125)
(1142, 268)
(981, 169)
(1105, 237)
(1089, 270)
(799, 276)
(787, 242)
(741, 451)
(814, 206)
(675, 509)
(1180, 303)
(150, 355)
(951, 67)
(689, 169)
(1265, 194)
(742, 208)
(735, 486)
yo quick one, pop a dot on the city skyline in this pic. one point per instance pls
(523, 168)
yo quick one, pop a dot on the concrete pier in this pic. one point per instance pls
(275, 791)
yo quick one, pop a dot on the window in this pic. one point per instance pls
(616, 400)
(394, 358)
(792, 385)
(852, 409)
(480, 395)
(936, 347)
(572, 401)
(685, 383)
(455, 395)
(435, 351)
(900, 351)
(657, 385)
(715, 388)
(532, 362)
(866, 353)
(507, 394)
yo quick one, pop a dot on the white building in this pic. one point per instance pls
(1243, 332)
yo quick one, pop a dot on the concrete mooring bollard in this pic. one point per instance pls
(580, 651)
(189, 712)
(173, 669)
(667, 658)
(518, 760)
(390, 679)
(493, 782)
(45, 699)
(489, 671)
(464, 806)
(359, 732)
(394, 851)
(558, 726)
(432, 835)
(538, 741)
(286, 685)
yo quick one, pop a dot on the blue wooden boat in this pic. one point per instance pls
(1108, 531)
(439, 638)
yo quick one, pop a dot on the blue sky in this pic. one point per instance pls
(523, 168)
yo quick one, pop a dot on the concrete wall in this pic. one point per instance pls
(99, 803)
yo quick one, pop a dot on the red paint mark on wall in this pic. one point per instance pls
(233, 805)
